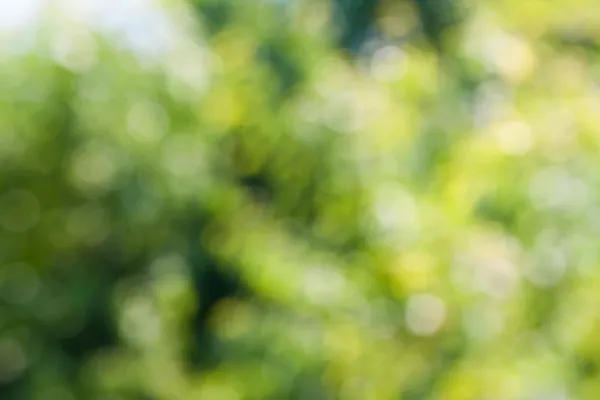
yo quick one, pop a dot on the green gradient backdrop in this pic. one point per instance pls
(233, 200)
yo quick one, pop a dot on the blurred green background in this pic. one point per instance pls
(299, 199)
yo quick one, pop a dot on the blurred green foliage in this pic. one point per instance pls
(302, 199)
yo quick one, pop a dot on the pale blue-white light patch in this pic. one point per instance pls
(18, 20)
(139, 25)
(142, 26)
(19, 14)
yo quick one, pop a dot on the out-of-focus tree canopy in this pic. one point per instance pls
(301, 199)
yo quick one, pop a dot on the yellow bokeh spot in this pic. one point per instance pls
(223, 108)
(413, 272)
(235, 49)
